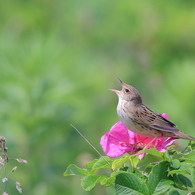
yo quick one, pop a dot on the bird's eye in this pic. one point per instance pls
(127, 90)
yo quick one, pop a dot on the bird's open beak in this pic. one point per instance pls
(123, 84)
(116, 91)
(120, 81)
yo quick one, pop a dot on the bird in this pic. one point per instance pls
(140, 119)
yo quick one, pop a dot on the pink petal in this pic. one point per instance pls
(161, 147)
(164, 115)
(112, 142)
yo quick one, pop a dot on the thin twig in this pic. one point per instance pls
(90, 144)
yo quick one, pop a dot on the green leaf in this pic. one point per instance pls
(167, 156)
(89, 182)
(74, 170)
(185, 180)
(178, 155)
(146, 160)
(134, 161)
(183, 171)
(107, 181)
(128, 183)
(163, 186)
(184, 168)
(153, 152)
(190, 157)
(175, 164)
(193, 175)
(178, 183)
(191, 145)
(90, 165)
(97, 164)
(174, 192)
(147, 169)
(119, 163)
(157, 173)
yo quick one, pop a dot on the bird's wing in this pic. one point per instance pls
(156, 121)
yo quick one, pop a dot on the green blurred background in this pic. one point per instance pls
(57, 61)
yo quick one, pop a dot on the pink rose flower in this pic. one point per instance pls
(119, 140)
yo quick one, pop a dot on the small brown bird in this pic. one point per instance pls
(140, 119)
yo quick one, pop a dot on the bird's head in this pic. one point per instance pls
(128, 93)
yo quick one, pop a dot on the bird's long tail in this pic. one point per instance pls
(182, 135)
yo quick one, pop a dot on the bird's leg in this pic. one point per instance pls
(148, 144)
(135, 145)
